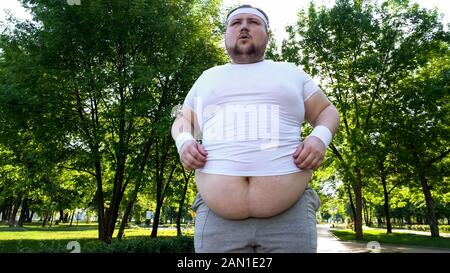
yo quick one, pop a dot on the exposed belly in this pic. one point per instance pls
(239, 197)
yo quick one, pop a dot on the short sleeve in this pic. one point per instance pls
(309, 87)
(189, 101)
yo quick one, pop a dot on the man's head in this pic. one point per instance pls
(247, 34)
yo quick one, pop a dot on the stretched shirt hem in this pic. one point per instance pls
(258, 173)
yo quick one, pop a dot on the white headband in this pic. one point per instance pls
(251, 11)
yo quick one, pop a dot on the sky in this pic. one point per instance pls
(284, 12)
(280, 12)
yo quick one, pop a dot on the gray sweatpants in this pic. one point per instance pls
(291, 231)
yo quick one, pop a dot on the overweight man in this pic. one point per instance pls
(252, 166)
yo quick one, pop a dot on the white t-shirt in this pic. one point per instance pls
(250, 116)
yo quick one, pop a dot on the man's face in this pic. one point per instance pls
(246, 38)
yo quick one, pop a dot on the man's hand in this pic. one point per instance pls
(193, 155)
(309, 153)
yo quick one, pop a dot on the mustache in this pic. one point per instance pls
(244, 34)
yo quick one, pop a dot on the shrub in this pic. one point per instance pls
(442, 228)
(179, 244)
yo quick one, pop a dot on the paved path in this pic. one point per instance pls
(328, 243)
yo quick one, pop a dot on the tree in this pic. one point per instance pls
(106, 73)
(186, 178)
(360, 50)
(272, 52)
(421, 123)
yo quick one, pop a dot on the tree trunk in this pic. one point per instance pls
(27, 212)
(61, 216)
(71, 218)
(23, 212)
(352, 205)
(9, 209)
(45, 219)
(126, 215)
(358, 209)
(101, 208)
(160, 194)
(12, 217)
(183, 197)
(143, 164)
(113, 211)
(366, 213)
(379, 221)
(51, 217)
(66, 217)
(155, 225)
(5, 209)
(386, 206)
(30, 217)
(430, 205)
(112, 215)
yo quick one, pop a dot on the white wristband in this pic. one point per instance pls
(323, 133)
(181, 139)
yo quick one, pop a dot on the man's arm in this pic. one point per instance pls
(185, 126)
(184, 123)
(319, 111)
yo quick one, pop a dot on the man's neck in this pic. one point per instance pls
(246, 60)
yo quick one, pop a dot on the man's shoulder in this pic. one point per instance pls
(287, 66)
(210, 72)
(216, 68)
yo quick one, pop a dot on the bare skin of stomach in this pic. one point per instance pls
(241, 197)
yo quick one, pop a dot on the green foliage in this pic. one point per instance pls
(89, 89)
(96, 83)
(442, 228)
(385, 67)
(178, 244)
(34, 238)
(395, 238)
(272, 51)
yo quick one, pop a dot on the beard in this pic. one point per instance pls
(250, 50)
(250, 53)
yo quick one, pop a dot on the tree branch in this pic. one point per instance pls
(80, 170)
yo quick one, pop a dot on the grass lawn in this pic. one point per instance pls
(398, 238)
(34, 238)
